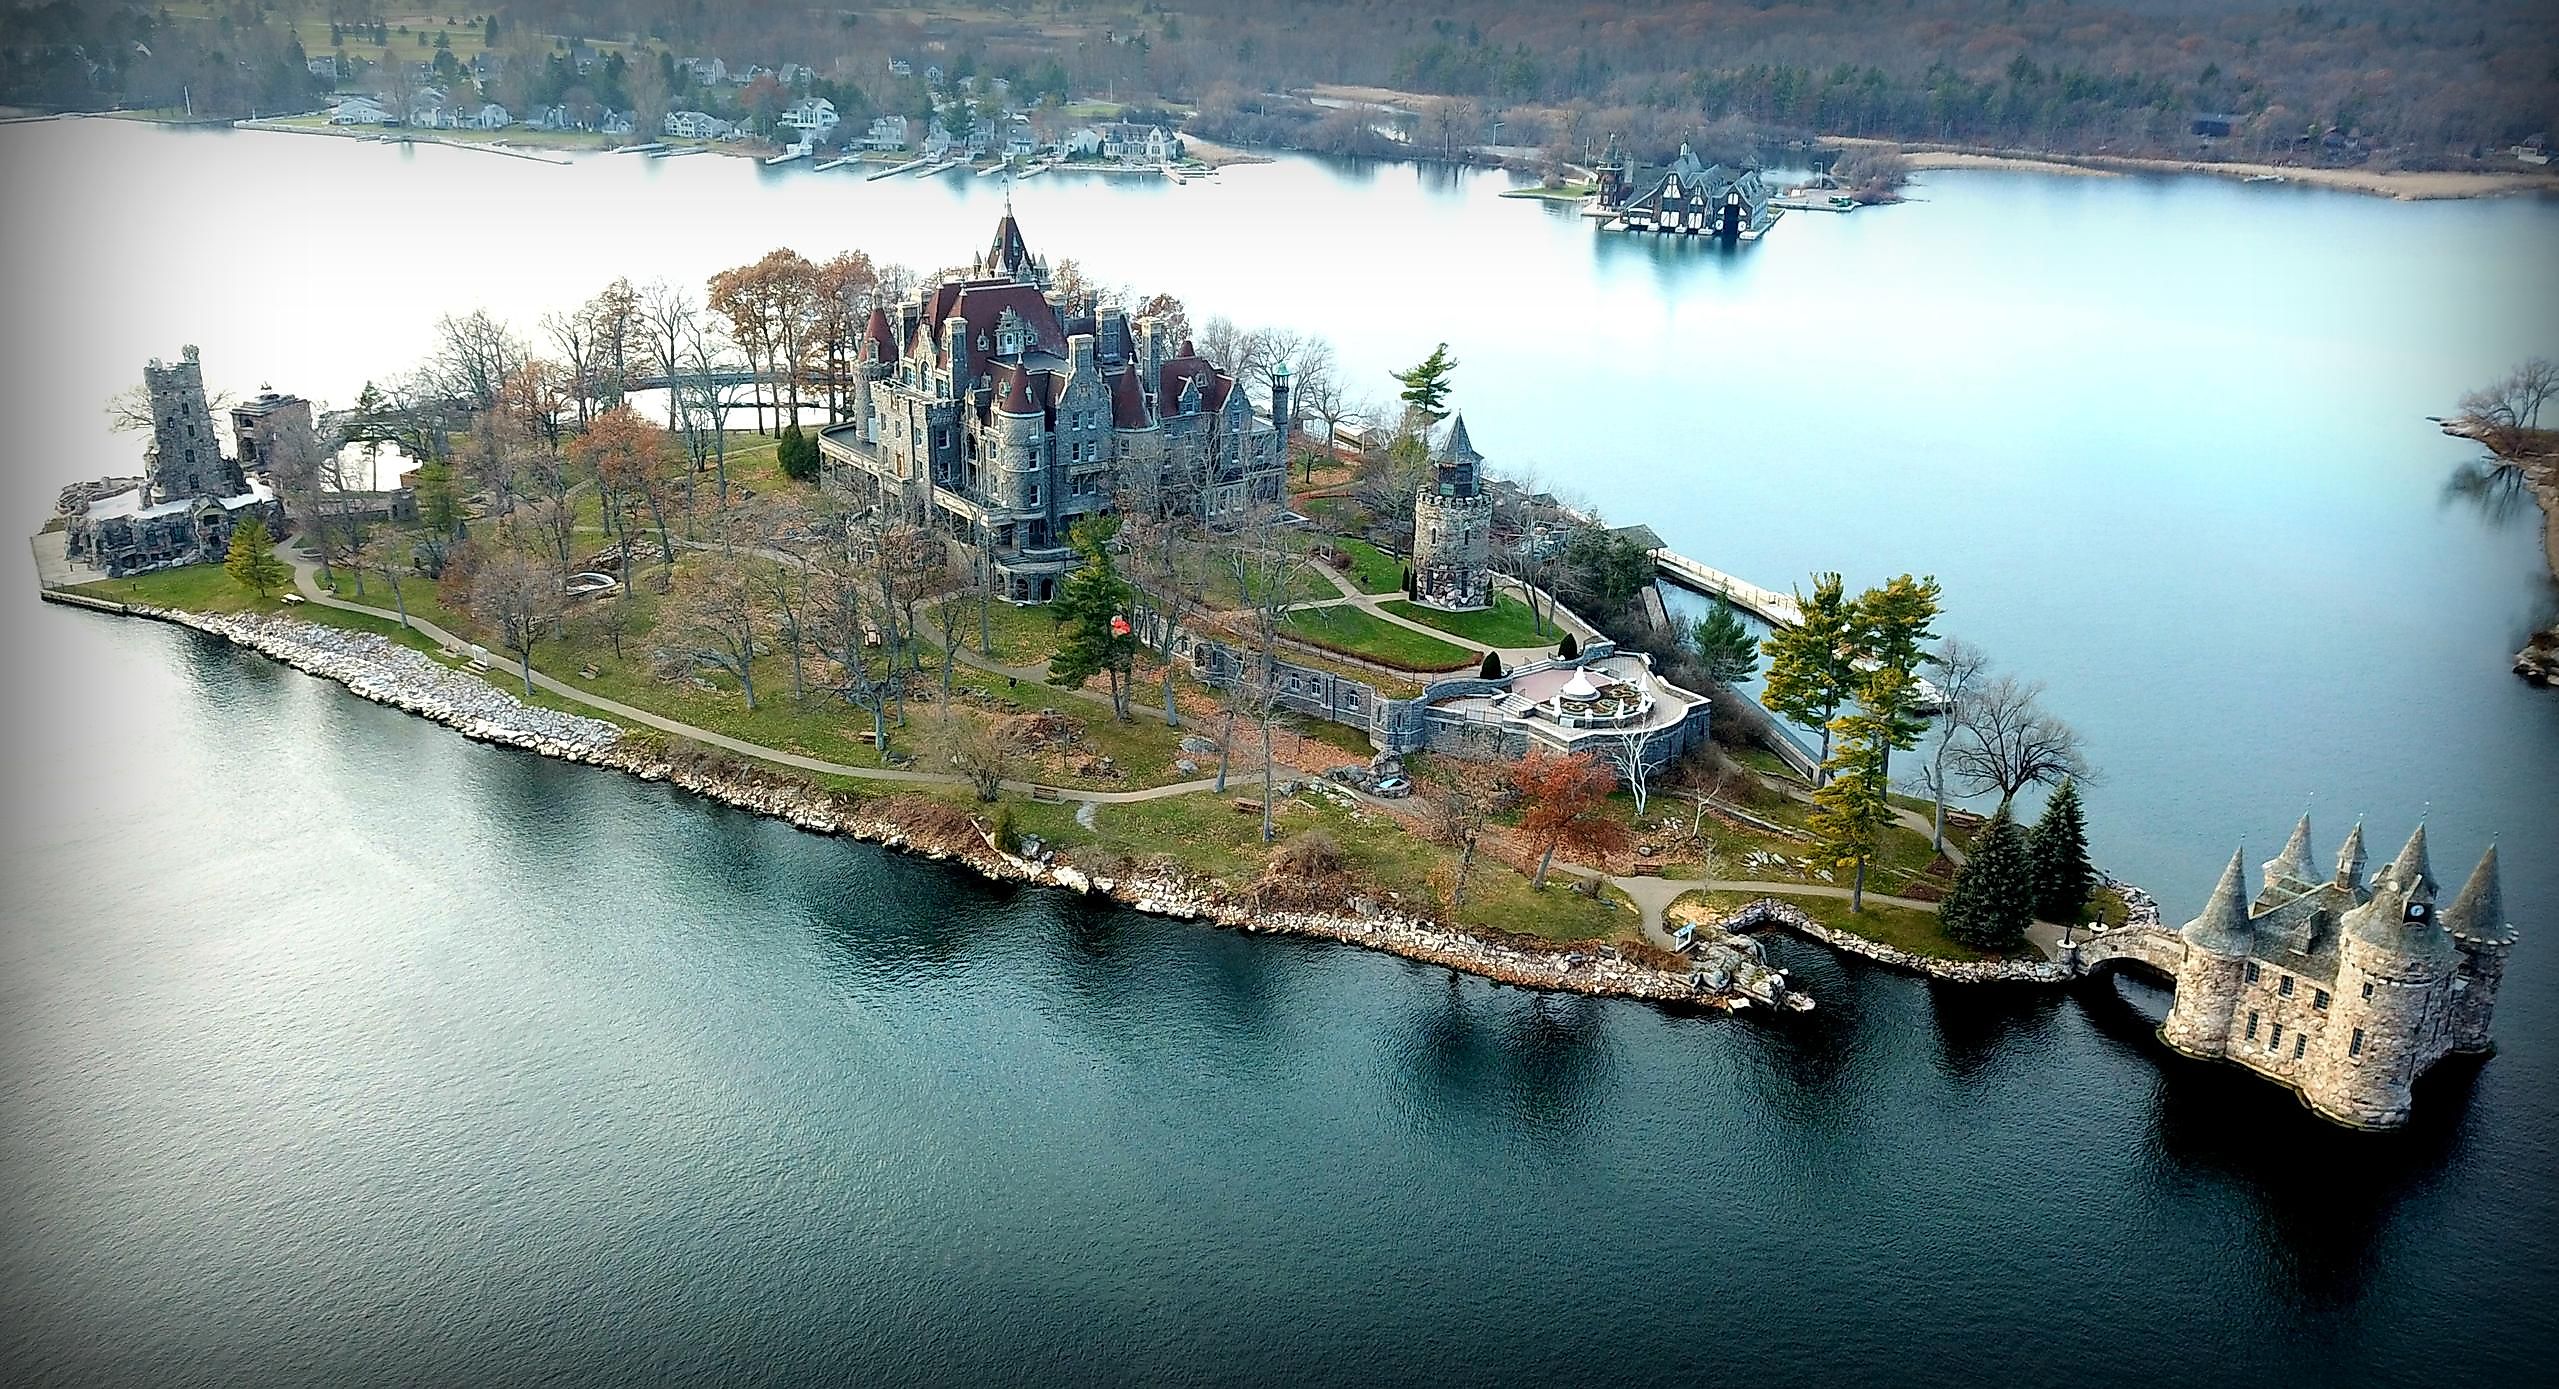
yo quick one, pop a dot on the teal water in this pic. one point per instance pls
(337, 1047)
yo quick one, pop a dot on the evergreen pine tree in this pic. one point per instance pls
(251, 562)
(2058, 849)
(1725, 646)
(1994, 898)
(1492, 667)
(1812, 665)
(1568, 648)
(1425, 385)
(798, 454)
(1092, 604)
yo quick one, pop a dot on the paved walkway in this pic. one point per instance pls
(306, 578)
(1374, 604)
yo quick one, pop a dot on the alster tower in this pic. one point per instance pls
(1453, 528)
(2343, 990)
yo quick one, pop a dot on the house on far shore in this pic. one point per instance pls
(360, 110)
(2533, 150)
(1140, 144)
(811, 115)
(1083, 142)
(885, 133)
(2212, 125)
(697, 125)
(490, 116)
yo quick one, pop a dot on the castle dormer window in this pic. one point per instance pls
(2252, 971)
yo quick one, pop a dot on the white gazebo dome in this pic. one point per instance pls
(1579, 687)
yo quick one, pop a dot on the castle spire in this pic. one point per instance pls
(2350, 859)
(2479, 913)
(2222, 928)
(2410, 870)
(2294, 862)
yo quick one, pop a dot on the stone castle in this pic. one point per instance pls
(189, 498)
(1687, 197)
(2346, 991)
(1453, 528)
(993, 412)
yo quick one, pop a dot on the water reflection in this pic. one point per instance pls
(2493, 486)
(2323, 1194)
(1981, 1028)
(1555, 1050)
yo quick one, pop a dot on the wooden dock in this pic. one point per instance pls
(1767, 604)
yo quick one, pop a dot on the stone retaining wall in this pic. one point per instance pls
(1768, 911)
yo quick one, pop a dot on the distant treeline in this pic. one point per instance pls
(2417, 80)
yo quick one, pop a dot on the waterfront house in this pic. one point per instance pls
(1140, 144)
(1083, 142)
(1691, 196)
(697, 125)
(2533, 150)
(885, 133)
(360, 110)
(899, 67)
(490, 116)
(811, 115)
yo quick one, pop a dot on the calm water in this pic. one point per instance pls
(336, 1046)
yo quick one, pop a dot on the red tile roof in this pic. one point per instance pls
(877, 335)
(1128, 399)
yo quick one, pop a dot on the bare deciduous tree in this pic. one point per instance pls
(2008, 741)
(519, 597)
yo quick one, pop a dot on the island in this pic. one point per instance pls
(1069, 589)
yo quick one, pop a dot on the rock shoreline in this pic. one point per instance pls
(381, 670)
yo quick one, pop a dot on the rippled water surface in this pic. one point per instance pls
(333, 1047)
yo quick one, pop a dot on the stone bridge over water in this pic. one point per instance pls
(2153, 949)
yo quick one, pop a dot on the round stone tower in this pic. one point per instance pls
(1453, 529)
(2218, 942)
(2477, 923)
(2394, 965)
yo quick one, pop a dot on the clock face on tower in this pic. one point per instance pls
(2419, 914)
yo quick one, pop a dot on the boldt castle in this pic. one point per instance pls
(996, 414)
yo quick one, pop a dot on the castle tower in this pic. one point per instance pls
(878, 359)
(2218, 942)
(1016, 426)
(2394, 972)
(1009, 256)
(186, 456)
(1612, 190)
(1453, 528)
(2477, 923)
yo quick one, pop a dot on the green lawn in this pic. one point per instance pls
(1372, 569)
(1207, 834)
(1021, 635)
(1507, 623)
(1356, 633)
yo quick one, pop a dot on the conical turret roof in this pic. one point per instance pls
(2294, 862)
(2479, 912)
(1016, 399)
(2351, 857)
(2222, 928)
(878, 336)
(2410, 870)
(1460, 448)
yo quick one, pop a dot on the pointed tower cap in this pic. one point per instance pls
(2350, 856)
(2410, 870)
(2294, 862)
(2479, 912)
(2222, 928)
(1460, 448)
(1017, 394)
